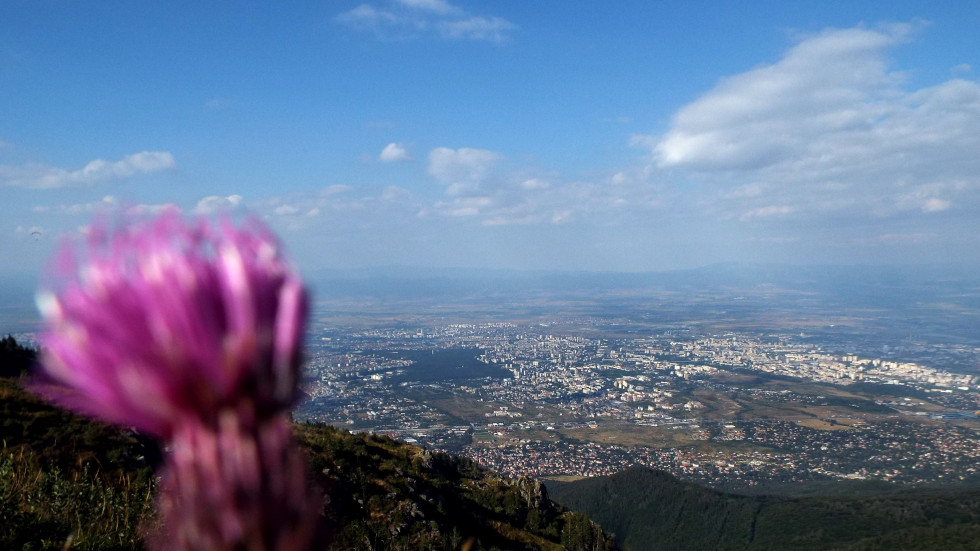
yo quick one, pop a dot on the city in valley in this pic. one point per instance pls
(801, 381)
(743, 390)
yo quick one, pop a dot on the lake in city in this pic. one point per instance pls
(449, 364)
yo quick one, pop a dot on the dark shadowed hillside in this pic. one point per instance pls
(652, 510)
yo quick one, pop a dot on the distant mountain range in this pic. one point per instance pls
(848, 280)
(875, 283)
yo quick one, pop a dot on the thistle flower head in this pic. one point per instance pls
(163, 322)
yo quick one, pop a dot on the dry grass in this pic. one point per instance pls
(45, 508)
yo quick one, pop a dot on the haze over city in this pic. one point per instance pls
(573, 136)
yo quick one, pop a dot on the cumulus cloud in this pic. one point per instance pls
(36, 176)
(340, 209)
(833, 83)
(213, 204)
(481, 185)
(477, 186)
(406, 19)
(830, 127)
(394, 152)
(463, 166)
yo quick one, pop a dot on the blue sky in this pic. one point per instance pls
(529, 135)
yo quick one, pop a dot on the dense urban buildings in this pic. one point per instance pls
(582, 397)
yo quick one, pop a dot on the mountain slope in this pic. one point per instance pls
(398, 496)
(63, 477)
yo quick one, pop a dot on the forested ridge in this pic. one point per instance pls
(653, 510)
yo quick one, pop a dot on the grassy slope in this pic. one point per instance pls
(62, 476)
(397, 496)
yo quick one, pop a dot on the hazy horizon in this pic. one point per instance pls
(888, 292)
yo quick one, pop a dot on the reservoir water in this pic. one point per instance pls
(448, 364)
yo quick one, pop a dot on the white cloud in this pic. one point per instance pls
(341, 208)
(561, 216)
(394, 152)
(534, 183)
(462, 166)
(494, 29)
(395, 193)
(435, 6)
(286, 210)
(829, 128)
(836, 82)
(467, 206)
(406, 19)
(753, 189)
(214, 204)
(365, 17)
(901, 239)
(962, 69)
(143, 208)
(35, 176)
(632, 176)
(106, 204)
(765, 212)
(481, 185)
(935, 205)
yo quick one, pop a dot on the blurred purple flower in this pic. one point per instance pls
(190, 331)
(242, 487)
(162, 322)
